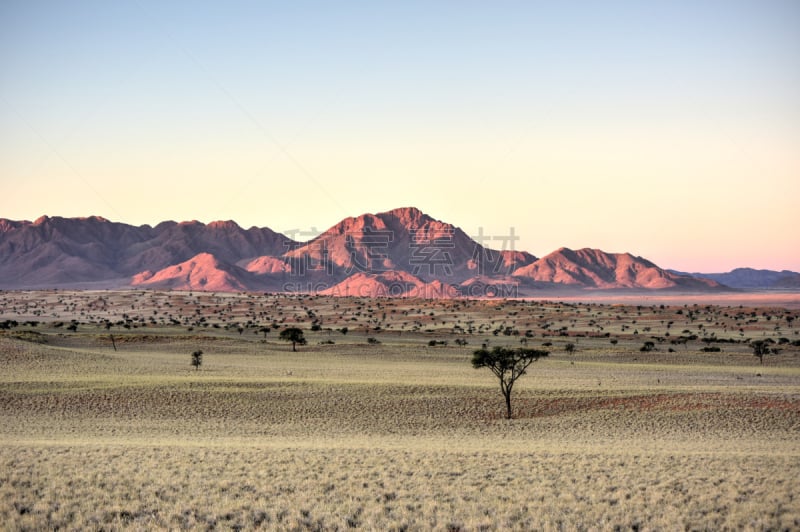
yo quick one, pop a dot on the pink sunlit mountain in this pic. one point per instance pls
(406, 240)
(398, 253)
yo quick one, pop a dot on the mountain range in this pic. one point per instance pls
(402, 252)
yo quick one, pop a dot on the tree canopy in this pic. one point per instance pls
(760, 348)
(294, 335)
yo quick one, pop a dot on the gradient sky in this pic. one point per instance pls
(667, 129)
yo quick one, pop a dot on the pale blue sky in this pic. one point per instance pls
(667, 129)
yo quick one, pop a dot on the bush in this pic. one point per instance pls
(197, 359)
(373, 341)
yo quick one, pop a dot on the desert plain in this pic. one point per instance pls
(650, 413)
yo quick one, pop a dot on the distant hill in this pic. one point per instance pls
(593, 268)
(752, 279)
(201, 272)
(398, 253)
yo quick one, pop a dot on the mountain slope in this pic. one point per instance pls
(202, 272)
(56, 251)
(176, 242)
(390, 284)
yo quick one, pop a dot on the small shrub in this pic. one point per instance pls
(197, 359)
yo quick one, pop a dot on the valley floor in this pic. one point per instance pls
(397, 434)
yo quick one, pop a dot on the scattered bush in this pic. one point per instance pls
(197, 359)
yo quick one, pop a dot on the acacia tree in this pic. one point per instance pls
(294, 335)
(760, 348)
(508, 365)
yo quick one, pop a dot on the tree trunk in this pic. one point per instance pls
(293, 347)
(508, 405)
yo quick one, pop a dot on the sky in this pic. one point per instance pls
(670, 130)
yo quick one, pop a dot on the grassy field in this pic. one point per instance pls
(394, 434)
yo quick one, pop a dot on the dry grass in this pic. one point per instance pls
(397, 435)
(189, 487)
